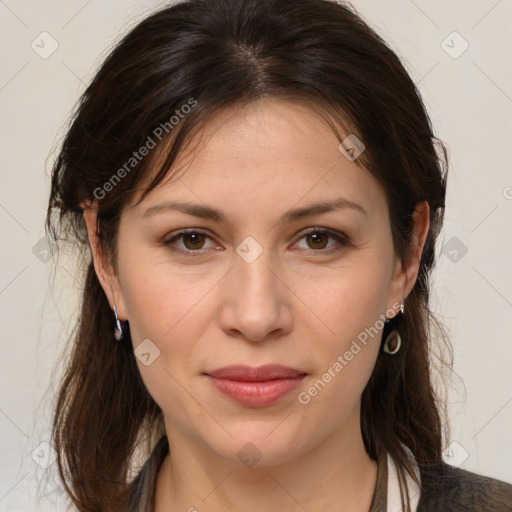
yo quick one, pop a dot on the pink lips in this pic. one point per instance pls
(256, 387)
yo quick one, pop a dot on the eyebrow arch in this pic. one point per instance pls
(207, 212)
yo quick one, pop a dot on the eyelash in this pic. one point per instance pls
(341, 238)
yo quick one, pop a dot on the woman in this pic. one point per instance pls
(261, 193)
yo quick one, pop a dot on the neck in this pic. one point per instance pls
(337, 474)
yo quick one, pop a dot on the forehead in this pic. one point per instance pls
(273, 153)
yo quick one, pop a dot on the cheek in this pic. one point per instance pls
(344, 359)
(348, 299)
(159, 297)
(166, 309)
(350, 312)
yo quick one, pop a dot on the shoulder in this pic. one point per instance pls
(447, 488)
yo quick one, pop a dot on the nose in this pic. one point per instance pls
(257, 302)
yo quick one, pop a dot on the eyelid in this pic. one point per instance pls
(339, 236)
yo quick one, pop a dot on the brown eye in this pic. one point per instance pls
(192, 242)
(196, 240)
(317, 240)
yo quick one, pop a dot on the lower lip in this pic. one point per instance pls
(256, 394)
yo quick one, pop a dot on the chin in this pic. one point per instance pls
(260, 445)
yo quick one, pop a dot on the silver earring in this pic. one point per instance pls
(118, 331)
(393, 343)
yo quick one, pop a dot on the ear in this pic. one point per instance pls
(104, 271)
(406, 273)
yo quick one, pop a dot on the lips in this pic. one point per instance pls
(256, 387)
(252, 374)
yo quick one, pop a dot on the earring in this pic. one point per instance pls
(393, 340)
(393, 343)
(118, 330)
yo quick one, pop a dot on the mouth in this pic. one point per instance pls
(255, 387)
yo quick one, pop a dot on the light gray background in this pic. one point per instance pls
(470, 100)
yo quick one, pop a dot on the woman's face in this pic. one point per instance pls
(254, 289)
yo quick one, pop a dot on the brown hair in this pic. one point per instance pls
(220, 53)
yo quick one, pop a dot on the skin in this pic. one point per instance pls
(301, 303)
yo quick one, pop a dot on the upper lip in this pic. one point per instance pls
(256, 374)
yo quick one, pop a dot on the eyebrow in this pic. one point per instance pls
(208, 212)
